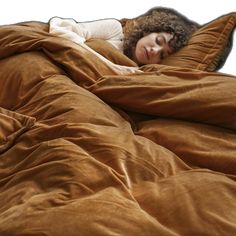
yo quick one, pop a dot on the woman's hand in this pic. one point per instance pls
(125, 70)
(118, 69)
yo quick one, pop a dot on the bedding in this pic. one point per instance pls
(84, 151)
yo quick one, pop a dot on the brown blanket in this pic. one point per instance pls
(86, 152)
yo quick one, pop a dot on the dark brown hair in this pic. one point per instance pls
(158, 19)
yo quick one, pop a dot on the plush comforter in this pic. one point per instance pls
(84, 151)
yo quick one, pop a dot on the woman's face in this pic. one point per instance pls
(152, 48)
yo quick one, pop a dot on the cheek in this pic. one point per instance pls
(136, 50)
(140, 57)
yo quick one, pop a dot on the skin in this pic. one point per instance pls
(152, 48)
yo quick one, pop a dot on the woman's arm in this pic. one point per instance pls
(107, 29)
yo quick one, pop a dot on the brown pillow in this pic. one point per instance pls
(209, 46)
(12, 125)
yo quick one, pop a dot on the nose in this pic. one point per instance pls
(155, 49)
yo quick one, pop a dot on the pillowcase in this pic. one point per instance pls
(12, 125)
(208, 48)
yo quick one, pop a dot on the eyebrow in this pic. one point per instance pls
(164, 39)
(169, 43)
(172, 43)
(167, 52)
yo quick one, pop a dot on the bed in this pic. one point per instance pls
(84, 151)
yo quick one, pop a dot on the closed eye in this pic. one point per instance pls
(160, 40)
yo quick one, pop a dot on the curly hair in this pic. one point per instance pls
(158, 19)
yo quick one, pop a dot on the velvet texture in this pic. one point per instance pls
(151, 153)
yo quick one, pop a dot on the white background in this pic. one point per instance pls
(202, 11)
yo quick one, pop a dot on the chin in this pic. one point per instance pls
(140, 60)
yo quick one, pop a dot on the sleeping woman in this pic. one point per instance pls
(148, 40)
